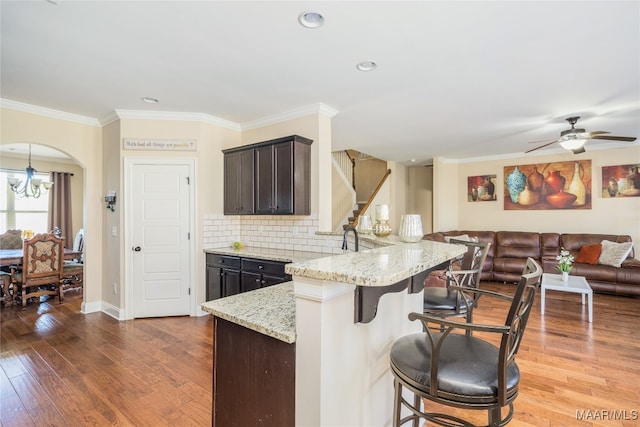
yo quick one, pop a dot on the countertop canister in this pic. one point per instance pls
(410, 228)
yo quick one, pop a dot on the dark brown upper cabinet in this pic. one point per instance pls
(281, 177)
(239, 183)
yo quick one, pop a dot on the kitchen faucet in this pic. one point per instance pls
(344, 237)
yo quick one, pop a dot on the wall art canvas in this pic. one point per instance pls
(481, 188)
(621, 181)
(557, 185)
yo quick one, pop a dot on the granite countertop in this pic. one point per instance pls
(381, 266)
(268, 254)
(269, 311)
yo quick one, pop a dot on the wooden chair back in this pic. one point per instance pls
(11, 239)
(42, 261)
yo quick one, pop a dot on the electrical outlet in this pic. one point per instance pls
(115, 288)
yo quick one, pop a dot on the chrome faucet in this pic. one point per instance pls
(344, 237)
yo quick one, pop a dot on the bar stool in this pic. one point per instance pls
(462, 370)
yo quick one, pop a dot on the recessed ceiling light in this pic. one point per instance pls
(311, 19)
(366, 66)
(150, 100)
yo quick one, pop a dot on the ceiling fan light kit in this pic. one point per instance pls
(574, 139)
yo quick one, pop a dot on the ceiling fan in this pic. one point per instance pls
(574, 139)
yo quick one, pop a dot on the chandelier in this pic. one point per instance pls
(32, 186)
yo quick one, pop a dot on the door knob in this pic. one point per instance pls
(137, 248)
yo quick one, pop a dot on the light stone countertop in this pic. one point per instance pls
(269, 311)
(381, 266)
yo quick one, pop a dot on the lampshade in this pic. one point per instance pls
(572, 144)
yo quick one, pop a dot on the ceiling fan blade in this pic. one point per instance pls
(542, 141)
(616, 138)
(579, 150)
(598, 132)
(542, 146)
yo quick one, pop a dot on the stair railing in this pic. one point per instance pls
(373, 195)
(347, 165)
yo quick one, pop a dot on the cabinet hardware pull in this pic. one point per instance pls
(260, 267)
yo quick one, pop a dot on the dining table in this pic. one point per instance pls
(14, 256)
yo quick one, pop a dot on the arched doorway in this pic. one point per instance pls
(31, 213)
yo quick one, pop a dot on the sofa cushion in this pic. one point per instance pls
(589, 254)
(614, 254)
(517, 244)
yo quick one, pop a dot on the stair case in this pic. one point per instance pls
(362, 207)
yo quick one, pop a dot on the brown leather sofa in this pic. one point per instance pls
(509, 251)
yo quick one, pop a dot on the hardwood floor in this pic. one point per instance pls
(62, 368)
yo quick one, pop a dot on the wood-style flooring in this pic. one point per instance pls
(62, 368)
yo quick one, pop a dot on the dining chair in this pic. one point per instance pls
(41, 270)
(11, 239)
(463, 370)
(465, 272)
(73, 270)
(5, 281)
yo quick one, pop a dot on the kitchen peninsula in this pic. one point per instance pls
(314, 351)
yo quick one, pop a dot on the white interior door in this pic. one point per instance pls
(160, 239)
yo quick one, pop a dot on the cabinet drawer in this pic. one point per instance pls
(261, 266)
(223, 261)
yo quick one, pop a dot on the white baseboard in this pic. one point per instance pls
(112, 311)
(90, 307)
(115, 312)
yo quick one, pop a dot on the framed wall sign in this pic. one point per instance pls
(159, 144)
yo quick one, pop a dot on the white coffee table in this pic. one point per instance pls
(575, 284)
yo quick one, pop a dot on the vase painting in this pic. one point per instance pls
(621, 181)
(553, 186)
(481, 188)
(516, 181)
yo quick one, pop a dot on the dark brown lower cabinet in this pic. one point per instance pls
(253, 378)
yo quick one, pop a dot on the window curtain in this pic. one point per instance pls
(60, 206)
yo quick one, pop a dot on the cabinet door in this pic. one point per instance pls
(264, 180)
(231, 283)
(250, 281)
(238, 183)
(283, 178)
(214, 283)
(246, 182)
(231, 187)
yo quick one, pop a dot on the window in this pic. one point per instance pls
(22, 213)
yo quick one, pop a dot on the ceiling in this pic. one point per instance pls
(454, 79)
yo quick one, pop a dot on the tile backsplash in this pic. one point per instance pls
(296, 233)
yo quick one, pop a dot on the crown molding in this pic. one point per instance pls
(176, 116)
(318, 108)
(48, 112)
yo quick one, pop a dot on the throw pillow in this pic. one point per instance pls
(464, 237)
(614, 253)
(589, 254)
